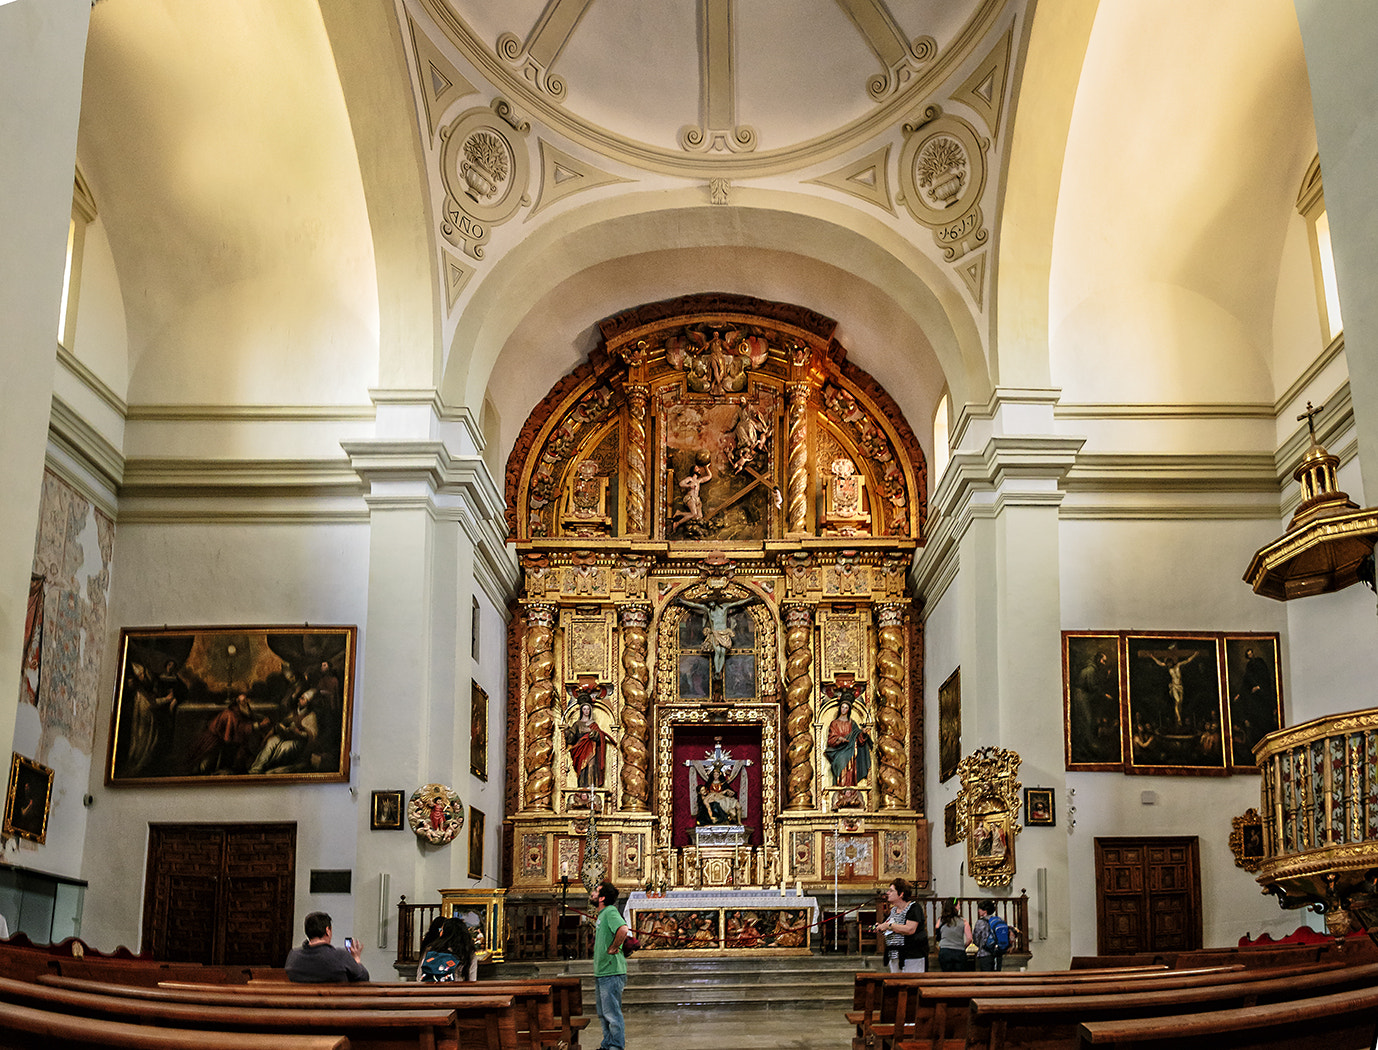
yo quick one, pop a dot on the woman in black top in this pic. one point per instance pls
(906, 933)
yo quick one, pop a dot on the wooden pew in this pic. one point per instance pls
(914, 1008)
(868, 990)
(25, 1028)
(1340, 1021)
(565, 1014)
(1051, 1022)
(486, 1022)
(545, 1011)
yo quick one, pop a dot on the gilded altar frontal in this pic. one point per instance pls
(717, 658)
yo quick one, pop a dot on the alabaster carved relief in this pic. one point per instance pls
(485, 169)
(942, 173)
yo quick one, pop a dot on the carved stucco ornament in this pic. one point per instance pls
(987, 813)
(942, 174)
(486, 172)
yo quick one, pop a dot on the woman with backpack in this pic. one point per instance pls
(906, 931)
(449, 955)
(991, 935)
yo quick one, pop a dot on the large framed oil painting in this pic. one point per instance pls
(1092, 696)
(218, 705)
(1253, 684)
(1175, 714)
(949, 726)
(28, 800)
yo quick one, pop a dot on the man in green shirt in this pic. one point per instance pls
(609, 964)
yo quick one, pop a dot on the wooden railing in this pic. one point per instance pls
(533, 927)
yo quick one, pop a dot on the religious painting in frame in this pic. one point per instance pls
(475, 843)
(951, 828)
(1253, 687)
(1038, 808)
(386, 813)
(232, 705)
(1176, 721)
(949, 726)
(1092, 697)
(28, 800)
(478, 733)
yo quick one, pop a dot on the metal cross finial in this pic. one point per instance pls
(1310, 416)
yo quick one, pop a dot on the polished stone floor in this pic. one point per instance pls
(781, 1026)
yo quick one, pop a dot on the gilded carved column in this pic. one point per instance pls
(890, 728)
(798, 707)
(636, 459)
(635, 678)
(540, 702)
(797, 443)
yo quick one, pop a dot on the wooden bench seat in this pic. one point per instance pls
(487, 1021)
(27, 1028)
(1340, 1021)
(545, 1010)
(1051, 1022)
(912, 1008)
(560, 1022)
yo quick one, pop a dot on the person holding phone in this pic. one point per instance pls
(318, 961)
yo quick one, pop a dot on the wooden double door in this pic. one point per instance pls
(220, 893)
(1148, 895)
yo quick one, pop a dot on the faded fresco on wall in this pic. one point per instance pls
(72, 555)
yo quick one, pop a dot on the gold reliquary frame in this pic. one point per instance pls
(988, 813)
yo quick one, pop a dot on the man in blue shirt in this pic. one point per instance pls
(609, 964)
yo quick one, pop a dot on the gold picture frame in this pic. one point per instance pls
(1246, 840)
(988, 813)
(387, 810)
(28, 800)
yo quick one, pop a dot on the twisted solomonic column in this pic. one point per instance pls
(636, 675)
(798, 706)
(540, 703)
(797, 444)
(636, 460)
(890, 776)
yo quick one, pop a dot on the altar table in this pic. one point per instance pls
(722, 921)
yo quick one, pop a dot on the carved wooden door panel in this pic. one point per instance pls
(220, 893)
(1148, 895)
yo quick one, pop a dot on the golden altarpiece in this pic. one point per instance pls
(715, 669)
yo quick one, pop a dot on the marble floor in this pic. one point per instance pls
(780, 1026)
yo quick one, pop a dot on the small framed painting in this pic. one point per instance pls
(949, 726)
(1038, 808)
(387, 811)
(27, 802)
(478, 734)
(475, 843)
(951, 834)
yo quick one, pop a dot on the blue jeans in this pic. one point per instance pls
(610, 1009)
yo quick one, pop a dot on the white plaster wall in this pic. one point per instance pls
(1297, 337)
(941, 657)
(1170, 576)
(101, 342)
(220, 575)
(490, 672)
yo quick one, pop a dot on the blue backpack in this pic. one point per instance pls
(999, 934)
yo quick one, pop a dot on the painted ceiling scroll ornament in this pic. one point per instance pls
(486, 174)
(435, 813)
(942, 174)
